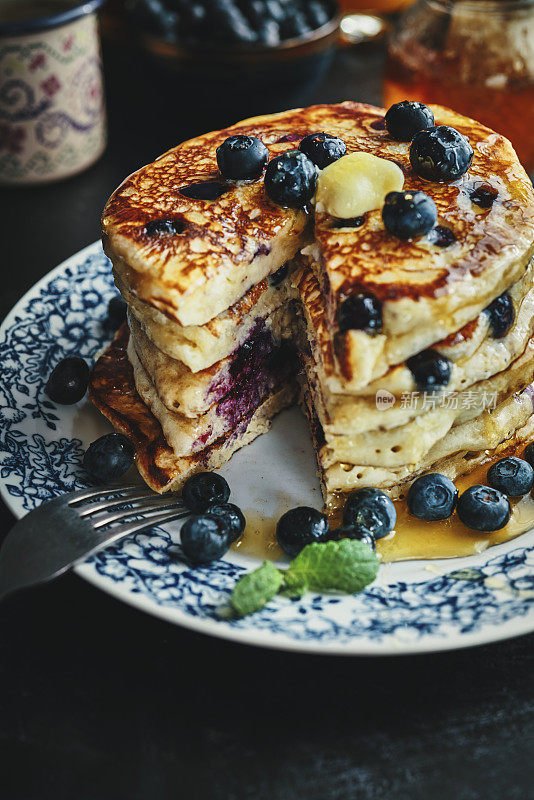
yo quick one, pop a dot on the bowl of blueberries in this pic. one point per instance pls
(254, 55)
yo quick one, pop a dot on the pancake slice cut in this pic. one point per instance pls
(201, 346)
(194, 393)
(189, 435)
(112, 390)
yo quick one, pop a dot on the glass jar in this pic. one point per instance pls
(475, 56)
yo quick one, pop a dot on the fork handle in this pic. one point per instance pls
(65, 542)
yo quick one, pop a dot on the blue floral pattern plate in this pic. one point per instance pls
(412, 606)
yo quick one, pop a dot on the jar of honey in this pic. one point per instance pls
(475, 56)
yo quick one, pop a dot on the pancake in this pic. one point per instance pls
(112, 390)
(194, 393)
(195, 258)
(474, 353)
(201, 346)
(459, 451)
(472, 349)
(188, 435)
(411, 442)
(222, 247)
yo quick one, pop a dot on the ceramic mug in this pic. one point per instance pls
(52, 111)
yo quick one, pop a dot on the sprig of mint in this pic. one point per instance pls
(345, 566)
(255, 589)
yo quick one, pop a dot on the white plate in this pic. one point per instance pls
(412, 607)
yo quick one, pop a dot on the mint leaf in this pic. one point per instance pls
(255, 589)
(294, 585)
(346, 566)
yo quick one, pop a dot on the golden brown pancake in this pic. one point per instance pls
(113, 391)
(193, 271)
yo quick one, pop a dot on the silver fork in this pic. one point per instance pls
(66, 530)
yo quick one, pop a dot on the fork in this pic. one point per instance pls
(68, 529)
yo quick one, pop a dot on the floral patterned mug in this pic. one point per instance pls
(52, 112)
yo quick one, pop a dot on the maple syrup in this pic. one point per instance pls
(412, 538)
(474, 56)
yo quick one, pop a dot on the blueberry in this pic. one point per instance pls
(279, 276)
(353, 222)
(205, 190)
(205, 538)
(409, 214)
(203, 490)
(483, 195)
(372, 510)
(404, 120)
(108, 458)
(432, 497)
(116, 312)
(322, 148)
(299, 527)
(483, 508)
(511, 475)
(430, 370)
(360, 312)
(501, 315)
(528, 454)
(441, 236)
(233, 516)
(353, 532)
(165, 227)
(68, 381)
(318, 13)
(440, 154)
(290, 179)
(269, 33)
(242, 157)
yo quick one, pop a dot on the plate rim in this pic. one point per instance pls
(358, 646)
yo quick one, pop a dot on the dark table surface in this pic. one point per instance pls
(101, 702)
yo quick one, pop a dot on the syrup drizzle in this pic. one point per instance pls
(413, 538)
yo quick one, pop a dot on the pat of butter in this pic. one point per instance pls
(356, 183)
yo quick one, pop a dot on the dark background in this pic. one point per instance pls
(100, 702)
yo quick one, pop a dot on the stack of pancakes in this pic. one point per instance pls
(226, 290)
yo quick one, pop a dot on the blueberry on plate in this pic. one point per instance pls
(432, 497)
(409, 214)
(203, 490)
(353, 532)
(233, 516)
(108, 458)
(440, 154)
(528, 454)
(323, 148)
(511, 475)
(301, 526)
(360, 312)
(371, 510)
(290, 179)
(68, 381)
(205, 538)
(430, 370)
(403, 120)
(116, 311)
(482, 508)
(242, 157)
(501, 315)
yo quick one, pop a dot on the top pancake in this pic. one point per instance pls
(227, 245)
